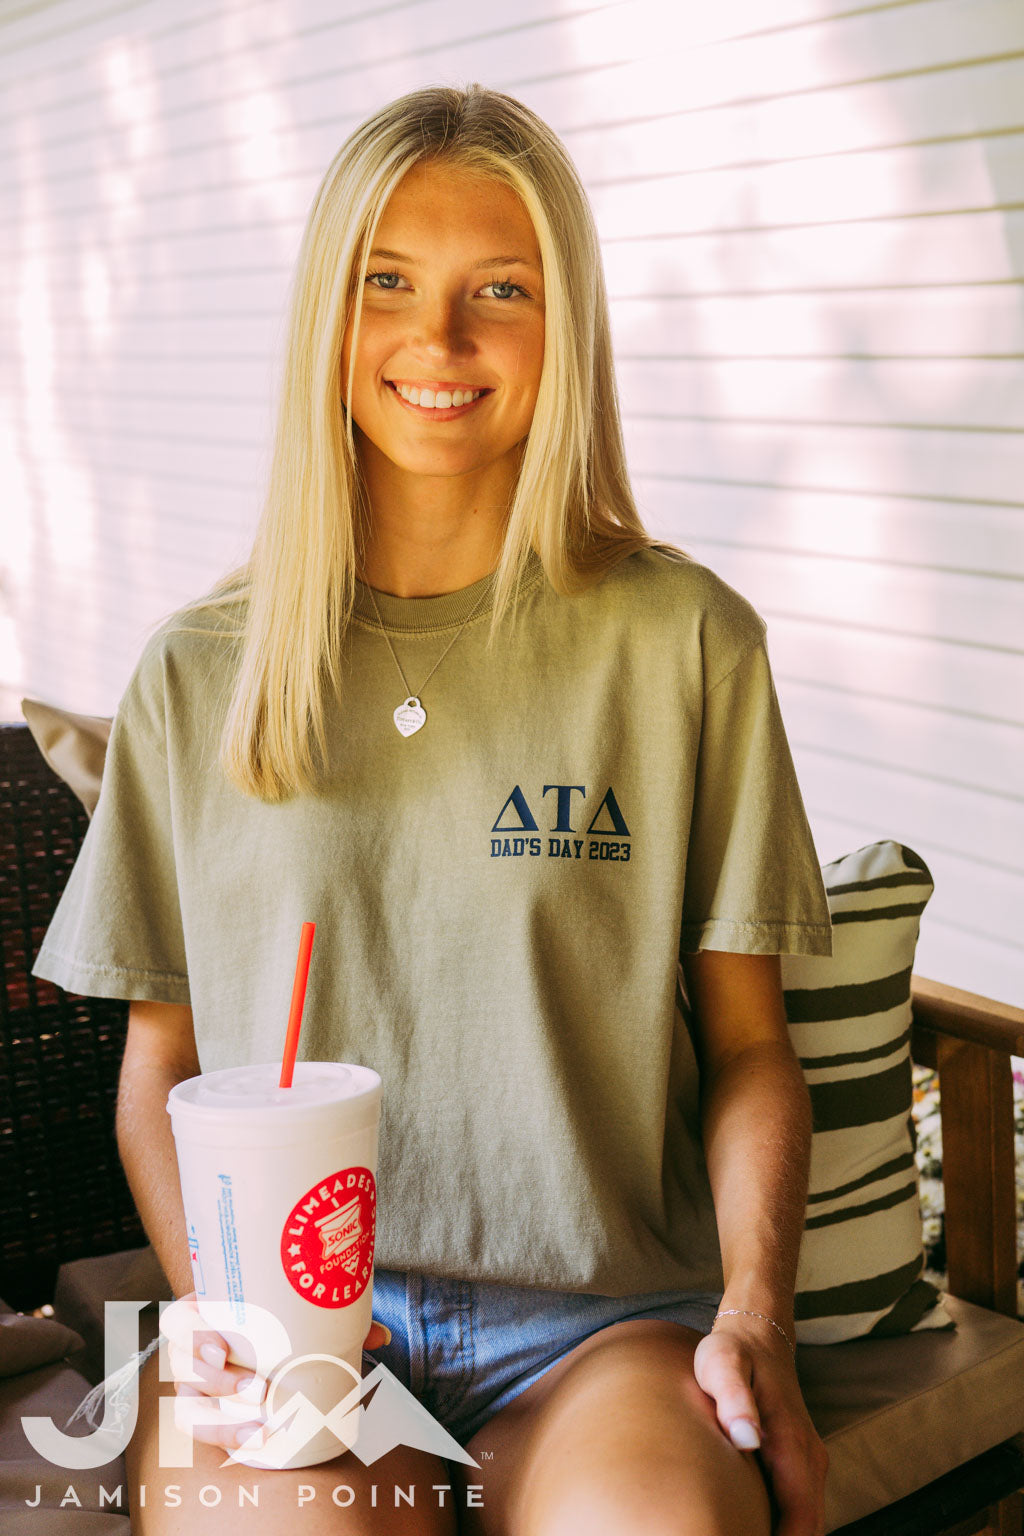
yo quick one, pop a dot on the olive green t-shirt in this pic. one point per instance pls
(500, 899)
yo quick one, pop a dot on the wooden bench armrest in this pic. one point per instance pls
(969, 1040)
(944, 1010)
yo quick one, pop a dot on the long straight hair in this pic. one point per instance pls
(572, 503)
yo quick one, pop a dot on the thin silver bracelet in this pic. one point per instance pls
(742, 1312)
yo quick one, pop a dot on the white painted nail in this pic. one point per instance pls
(251, 1389)
(744, 1435)
(214, 1355)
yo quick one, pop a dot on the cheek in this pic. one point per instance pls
(364, 386)
(530, 365)
(531, 358)
(374, 349)
(524, 363)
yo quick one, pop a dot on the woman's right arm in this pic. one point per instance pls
(160, 1051)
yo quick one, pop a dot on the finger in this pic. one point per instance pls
(233, 1381)
(726, 1375)
(195, 1416)
(800, 1511)
(178, 1323)
(797, 1475)
(378, 1336)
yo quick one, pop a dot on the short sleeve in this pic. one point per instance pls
(117, 930)
(753, 882)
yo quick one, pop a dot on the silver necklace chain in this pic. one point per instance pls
(410, 716)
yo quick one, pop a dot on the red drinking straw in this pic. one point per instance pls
(291, 1040)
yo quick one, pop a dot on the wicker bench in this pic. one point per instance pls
(66, 1199)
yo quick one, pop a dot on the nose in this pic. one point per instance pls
(440, 331)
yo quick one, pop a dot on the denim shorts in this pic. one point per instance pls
(465, 1349)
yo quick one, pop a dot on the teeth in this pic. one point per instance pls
(440, 400)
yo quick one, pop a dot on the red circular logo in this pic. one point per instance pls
(327, 1242)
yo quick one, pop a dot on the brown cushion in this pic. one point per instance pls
(52, 1392)
(896, 1413)
(74, 746)
(85, 1284)
(26, 1343)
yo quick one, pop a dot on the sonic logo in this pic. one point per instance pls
(340, 1232)
(327, 1241)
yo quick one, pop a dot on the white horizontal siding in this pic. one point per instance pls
(812, 218)
(949, 394)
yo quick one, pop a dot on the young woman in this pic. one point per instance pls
(523, 766)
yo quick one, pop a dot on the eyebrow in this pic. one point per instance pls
(489, 262)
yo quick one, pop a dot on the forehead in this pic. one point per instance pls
(456, 207)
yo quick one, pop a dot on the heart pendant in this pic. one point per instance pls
(410, 717)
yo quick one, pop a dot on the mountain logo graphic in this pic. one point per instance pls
(370, 1415)
(375, 1415)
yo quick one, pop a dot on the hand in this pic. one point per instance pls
(204, 1354)
(753, 1378)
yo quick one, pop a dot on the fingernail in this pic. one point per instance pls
(250, 1438)
(386, 1331)
(213, 1355)
(251, 1389)
(744, 1435)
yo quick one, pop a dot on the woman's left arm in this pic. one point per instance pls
(756, 1124)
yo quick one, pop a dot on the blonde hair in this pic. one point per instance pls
(573, 503)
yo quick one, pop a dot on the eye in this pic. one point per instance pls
(389, 280)
(506, 290)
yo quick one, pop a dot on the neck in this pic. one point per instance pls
(431, 534)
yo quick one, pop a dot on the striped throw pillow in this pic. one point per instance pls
(861, 1258)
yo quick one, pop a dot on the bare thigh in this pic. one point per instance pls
(304, 1501)
(617, 1436)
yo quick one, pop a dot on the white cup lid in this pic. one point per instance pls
(315, 1085)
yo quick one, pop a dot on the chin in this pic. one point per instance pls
(437, 464)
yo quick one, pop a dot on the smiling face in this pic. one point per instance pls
(451, 339)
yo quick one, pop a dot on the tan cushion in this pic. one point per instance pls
(52, 1392)
(75, 746)
(896, 1413)
(85, 1284)
(26, 1343)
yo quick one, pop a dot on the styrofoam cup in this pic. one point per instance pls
(279, 1189)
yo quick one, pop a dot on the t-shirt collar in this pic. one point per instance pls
(430, 613)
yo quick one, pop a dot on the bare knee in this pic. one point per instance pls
(652, 1498)
(621, 1438)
